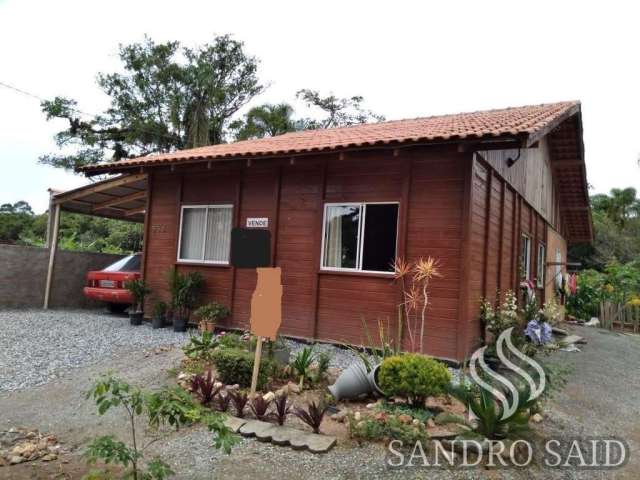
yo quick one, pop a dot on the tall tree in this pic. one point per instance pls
(616, 224)
(266, 121)
(167, 98)
(337, 112)
(269, 120)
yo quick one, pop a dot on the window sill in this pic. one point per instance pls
(187, 263)
(356, 273)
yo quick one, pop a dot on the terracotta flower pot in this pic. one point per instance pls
(206, 326)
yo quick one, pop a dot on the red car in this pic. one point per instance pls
(108, 285)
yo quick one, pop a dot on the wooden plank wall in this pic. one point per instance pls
(428, 184)
(499, 216)
(531, 176)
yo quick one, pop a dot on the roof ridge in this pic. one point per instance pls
(428, 117)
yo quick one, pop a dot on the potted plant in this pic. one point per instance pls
(138, 290)
(159, 314)
(211, 313)
(185, 290)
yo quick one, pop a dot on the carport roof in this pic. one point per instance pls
(122, 198)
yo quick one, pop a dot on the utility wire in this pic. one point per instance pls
(74, 109)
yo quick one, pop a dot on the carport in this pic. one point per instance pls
(123, 197)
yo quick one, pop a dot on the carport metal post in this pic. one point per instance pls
(53, 246)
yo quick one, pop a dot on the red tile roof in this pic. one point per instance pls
(525, 122)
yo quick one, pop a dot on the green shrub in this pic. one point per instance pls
(231, 340)
(402, 409)
(212, 312)
(413, 376)
(390, 428)
(236, 366)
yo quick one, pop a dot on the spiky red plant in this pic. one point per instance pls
(312, 416)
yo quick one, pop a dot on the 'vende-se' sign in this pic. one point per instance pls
(258, 222)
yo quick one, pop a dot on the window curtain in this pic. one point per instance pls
(218, 235)
(333, 238)
(193, 220)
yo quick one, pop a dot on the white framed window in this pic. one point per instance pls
(205, 234)
(525, 257)
(541, 264)
(359, 236)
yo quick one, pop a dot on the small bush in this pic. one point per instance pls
(236, 366)
(413, 376)
(230, 340)
(401, 409)
(388, 429)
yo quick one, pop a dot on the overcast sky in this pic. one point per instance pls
(408, 59)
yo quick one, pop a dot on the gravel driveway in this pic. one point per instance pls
(601, 398)
(38, 346)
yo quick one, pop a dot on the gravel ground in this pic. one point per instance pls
(600, 399)
(38, 346)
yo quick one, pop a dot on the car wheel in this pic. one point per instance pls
(117, 307)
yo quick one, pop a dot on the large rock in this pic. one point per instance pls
(24, 449)
(293, 387)
(16, 459)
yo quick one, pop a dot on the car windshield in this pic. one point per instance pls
(126, 264)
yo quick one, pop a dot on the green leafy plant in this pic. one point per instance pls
(301, 363)
(139, 291)
(236, 366)
(184, 290)
(172, 406)
(283, 407)
(212, 312)
(111, 392)
(386, 429)
(404, 409)
(312, 416)
(488, 421)
(223, 437)
(239, 400)
(230, 340)
(159, 310)
(501, 318)
(201, 347)
(323, 360)
(413, 376)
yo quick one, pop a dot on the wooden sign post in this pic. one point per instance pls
(266, 313)
(256, 367)
(251, 248)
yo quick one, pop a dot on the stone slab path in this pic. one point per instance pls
(283, 436)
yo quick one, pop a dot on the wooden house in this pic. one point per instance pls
(495, 196)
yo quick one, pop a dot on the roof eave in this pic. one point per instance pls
(518, 140)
